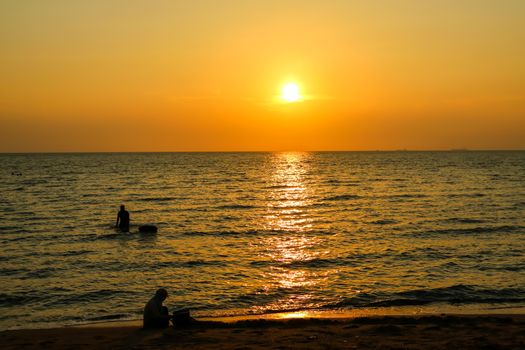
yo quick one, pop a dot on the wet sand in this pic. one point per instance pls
(380, 332)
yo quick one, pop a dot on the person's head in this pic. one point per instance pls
(122, 207)
(161, 294)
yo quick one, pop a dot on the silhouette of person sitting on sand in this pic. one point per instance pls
(156, 315)
(123, 219)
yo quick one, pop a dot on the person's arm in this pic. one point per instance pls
(153, 312)
(118, 217)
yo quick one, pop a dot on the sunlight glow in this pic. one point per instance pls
(290, 92)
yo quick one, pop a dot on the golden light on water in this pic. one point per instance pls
(288, 215)
(294, 314)
(290, 195)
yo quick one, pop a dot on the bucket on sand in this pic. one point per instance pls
(181, 318)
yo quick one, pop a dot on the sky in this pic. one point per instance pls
(207, 75)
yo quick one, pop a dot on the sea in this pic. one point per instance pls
(259, 233)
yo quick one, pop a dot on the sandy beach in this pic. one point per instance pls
(380, 332)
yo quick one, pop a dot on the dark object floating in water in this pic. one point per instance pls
(148, 229)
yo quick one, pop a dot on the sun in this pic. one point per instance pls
(290, 92)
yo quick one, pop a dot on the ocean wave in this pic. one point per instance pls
(332, 181)
(263, 297)
(124, 236)
(465, 195)
(478, 230)
(236, 206)
(30, 182)
(405, 195)
(9, 209)
(88, 297)
(428, 253)
(26, 235)
(160, 199)
(6, 271)
(36, 218)
(200, 262)
(342, 197)
(311, 263)
(22, 298)
(520, 205)
(464, 220)
(288, 206)
(384, 222)
(182, 264)
(167, 265)
(457, 294)
(218, 233)
(117, 266)
(279, 187)
(67, 253)
(110, 317)
(512, 268)
(40, 273)
(255, 233)
(9, 228)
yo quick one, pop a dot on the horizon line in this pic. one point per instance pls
(279, 151)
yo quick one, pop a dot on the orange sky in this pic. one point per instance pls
(204, 75)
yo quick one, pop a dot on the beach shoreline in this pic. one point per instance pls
(412, 311)
(444, 331)
(232, 316)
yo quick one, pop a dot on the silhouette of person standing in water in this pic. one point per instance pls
(123, 219)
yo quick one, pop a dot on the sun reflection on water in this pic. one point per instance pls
(289, 197)
(288, 215)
